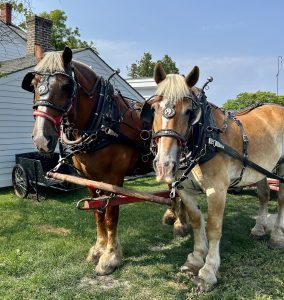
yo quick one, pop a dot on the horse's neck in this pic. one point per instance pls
(84, 104)
(82, 110)
(218, 116)
(130, 123)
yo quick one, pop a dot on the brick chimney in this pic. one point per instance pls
(38, 35)
(6, 13)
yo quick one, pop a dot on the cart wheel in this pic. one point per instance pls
(20, 181)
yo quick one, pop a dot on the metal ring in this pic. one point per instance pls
(145, 134)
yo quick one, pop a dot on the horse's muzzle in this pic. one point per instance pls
(165, 171)
(45, 144)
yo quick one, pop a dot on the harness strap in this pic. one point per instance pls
(245, 149)
(233, 153)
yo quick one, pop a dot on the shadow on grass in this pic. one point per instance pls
(242, 257)
(248, 267)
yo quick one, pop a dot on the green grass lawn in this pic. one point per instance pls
(43, 248)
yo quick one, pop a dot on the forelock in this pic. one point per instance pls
(173, 88)
(51, 63)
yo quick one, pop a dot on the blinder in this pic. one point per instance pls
(196, 116)
(147, 113)
(27, 82)
(169, 112)
(43, 89)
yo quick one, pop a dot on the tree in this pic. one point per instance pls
(21, 9)
(145, 66)
(61, 35)
(169, 65)
(246, 99)
(142, 68)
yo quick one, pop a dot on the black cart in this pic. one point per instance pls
(28, 175)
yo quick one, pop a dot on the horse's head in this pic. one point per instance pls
(175, 110)
(54, 86)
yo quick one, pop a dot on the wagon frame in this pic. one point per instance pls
(29, 175)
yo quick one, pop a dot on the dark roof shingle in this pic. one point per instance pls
(13, 65)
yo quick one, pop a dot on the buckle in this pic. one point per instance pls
(215, 143)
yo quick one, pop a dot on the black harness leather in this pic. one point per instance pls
(102, 128)
(207, 144)
(233, 153)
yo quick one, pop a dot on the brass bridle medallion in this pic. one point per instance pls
(169, 111)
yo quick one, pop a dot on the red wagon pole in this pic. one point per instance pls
(110, 188)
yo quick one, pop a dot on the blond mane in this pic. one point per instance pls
(173, 88)
(51, 62)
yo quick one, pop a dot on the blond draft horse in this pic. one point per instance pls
(264, 127)
(65, 86)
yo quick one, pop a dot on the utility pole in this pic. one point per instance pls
(279, 67)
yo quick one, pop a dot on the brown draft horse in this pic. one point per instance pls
(176, 110)
(62, 86)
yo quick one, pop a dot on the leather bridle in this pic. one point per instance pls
(182, 139)
(43, 90)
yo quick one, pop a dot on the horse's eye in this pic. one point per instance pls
(188, 111)
(66, 87)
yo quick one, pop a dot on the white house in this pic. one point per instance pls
(16, 115)
(145, 86)
(12, 39)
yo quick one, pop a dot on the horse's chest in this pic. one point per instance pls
(193, 183)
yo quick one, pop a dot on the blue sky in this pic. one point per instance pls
(236, 42)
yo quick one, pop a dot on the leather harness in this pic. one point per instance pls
(101, 129)
(206, 142)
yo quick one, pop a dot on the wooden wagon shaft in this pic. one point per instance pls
(102, 201)
(109, 188)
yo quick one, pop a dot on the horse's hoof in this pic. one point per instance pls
(94, 255)
(258, 237)
(202, 285)
(104, 271)
(275, 245)
(190, 269)
(169, 218)
(181, 231)
(108, 262)
(93, 258)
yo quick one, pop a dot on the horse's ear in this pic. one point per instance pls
(67, 56)
(159, 73)
(192, 78)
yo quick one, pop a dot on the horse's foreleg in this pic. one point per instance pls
(97, 250)
(112, 255)
(216, 204)
(181, 225)
(170, 216)
(195, 260)
(277, 233)
(260, 229)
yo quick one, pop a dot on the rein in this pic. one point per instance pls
(233, 153)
